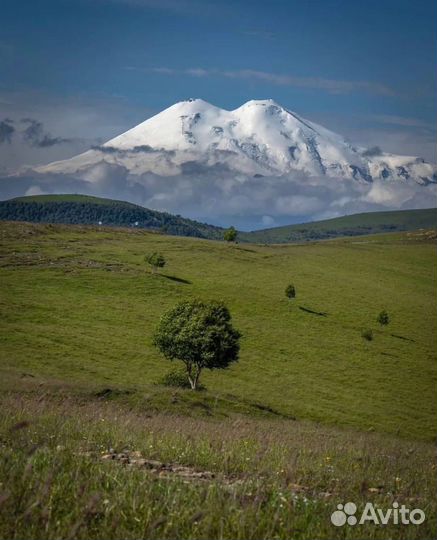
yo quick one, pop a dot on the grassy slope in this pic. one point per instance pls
(85, 209)
(79, 306)
(357, 224)
(77, 313)
(274, 479)
(371, 222)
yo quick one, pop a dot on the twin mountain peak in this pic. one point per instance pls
(258, 139)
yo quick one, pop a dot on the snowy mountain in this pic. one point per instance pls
(258, 139)
(257, 166)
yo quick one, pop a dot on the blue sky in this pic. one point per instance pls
(364, 69)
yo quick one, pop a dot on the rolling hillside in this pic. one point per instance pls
(94, 444)
(87, 210)
(80, 305)
(354, 225)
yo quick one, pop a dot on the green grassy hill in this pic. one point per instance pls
(354, 225)
(84, 209)
(79, 305)
(87, 210)
(94, 447)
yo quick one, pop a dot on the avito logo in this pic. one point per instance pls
(396, 515)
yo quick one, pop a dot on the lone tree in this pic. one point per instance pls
(230, 234)
(383, 318)
(199, 334)
(290, 291)
(155, 260)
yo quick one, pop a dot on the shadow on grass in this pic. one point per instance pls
(319, 313)
(404, 338)
(270, 410)
(245, 249)
(108, 393)
(178, 279)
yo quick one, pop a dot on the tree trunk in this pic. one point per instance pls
(196, 378)
(190, 376)
(193, 378)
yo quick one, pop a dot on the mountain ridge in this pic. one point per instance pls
(85, 209)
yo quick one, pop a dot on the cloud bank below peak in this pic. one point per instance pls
(212, 195)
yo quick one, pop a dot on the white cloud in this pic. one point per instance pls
(333, 86)
(34, 190)
(216, 196)
(298, 205)
(267, 221)
(400, 120)
(78, 122)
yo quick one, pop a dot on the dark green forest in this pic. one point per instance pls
(94, 212)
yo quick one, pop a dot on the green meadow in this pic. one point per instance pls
(311, 403)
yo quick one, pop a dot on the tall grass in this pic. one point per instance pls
(273, 478)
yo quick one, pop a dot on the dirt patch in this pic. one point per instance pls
(163, 470)
(135, 459)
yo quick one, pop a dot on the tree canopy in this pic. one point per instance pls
(383, 318)
(200, 334)
(230, 234)
(290, 291)
(155, 260)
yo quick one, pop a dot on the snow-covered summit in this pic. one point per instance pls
(258, 138)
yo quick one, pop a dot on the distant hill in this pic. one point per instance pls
(354, 225)
(85, 209)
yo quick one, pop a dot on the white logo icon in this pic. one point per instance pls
(344, 514)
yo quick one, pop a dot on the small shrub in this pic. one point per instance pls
(177, 379)
(290, 291)
(383, 318)
(230, 235)
(155, 260)
(367, 334)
